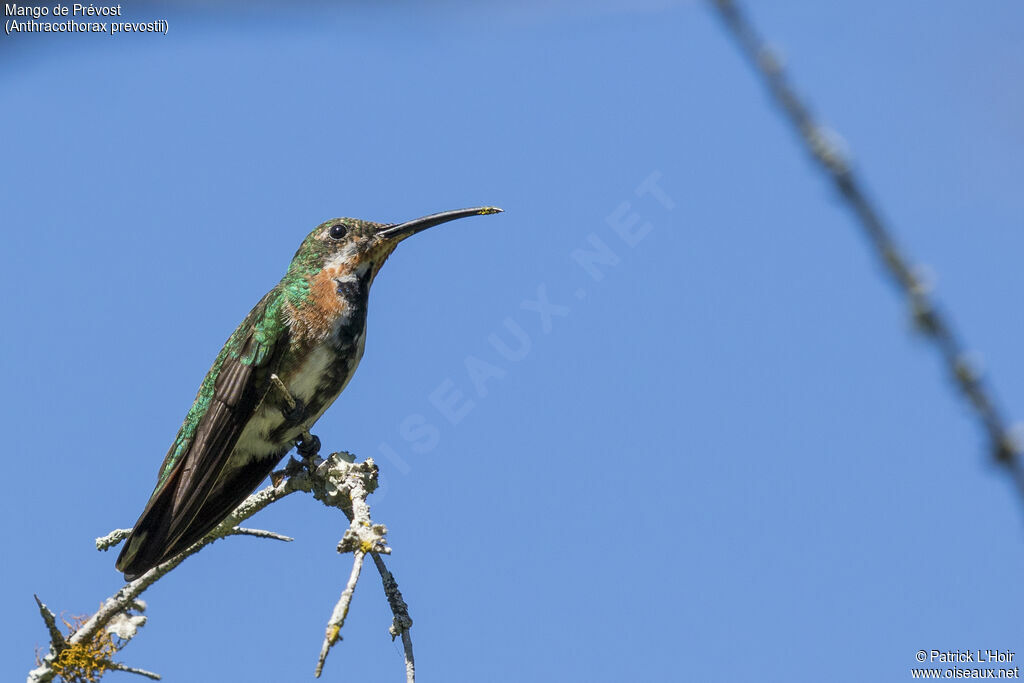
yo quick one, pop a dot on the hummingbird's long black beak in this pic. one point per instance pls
(400, 231)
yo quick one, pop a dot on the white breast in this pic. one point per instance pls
(303, 383)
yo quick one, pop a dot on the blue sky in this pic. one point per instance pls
(729, 458)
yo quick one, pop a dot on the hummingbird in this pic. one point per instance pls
(277, 373)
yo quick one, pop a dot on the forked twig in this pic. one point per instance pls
(337, 482)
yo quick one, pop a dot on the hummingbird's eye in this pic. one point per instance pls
(337, 231)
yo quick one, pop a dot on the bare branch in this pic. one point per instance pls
(259, 533)
(112, 539)
(56, 637)
(337, 482)
(933, 323)
(337, 619)
(116, 666)
(345, 485)
(402, 621)
(130, 591)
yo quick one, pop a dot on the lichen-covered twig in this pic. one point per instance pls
(339, 613)
(134, 670)
(88, 659)
(933, 323)
(56, 637)
(112, 539)
(260, 533)
(337, 482)
(402, 622)
(346, 486)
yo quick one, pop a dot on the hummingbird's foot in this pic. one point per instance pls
(308, 447)
(294, 414)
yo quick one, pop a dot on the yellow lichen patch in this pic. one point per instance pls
(85, 662)
(332, 633)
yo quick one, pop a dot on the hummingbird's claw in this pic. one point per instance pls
(310, 447)
(295, 413)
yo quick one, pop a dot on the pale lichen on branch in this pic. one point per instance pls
(85, 653)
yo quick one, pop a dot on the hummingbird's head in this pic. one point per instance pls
(349, 248)
(329, 278)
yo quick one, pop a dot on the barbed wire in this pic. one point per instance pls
(935, 325)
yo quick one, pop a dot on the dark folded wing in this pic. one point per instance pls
(195, 465)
